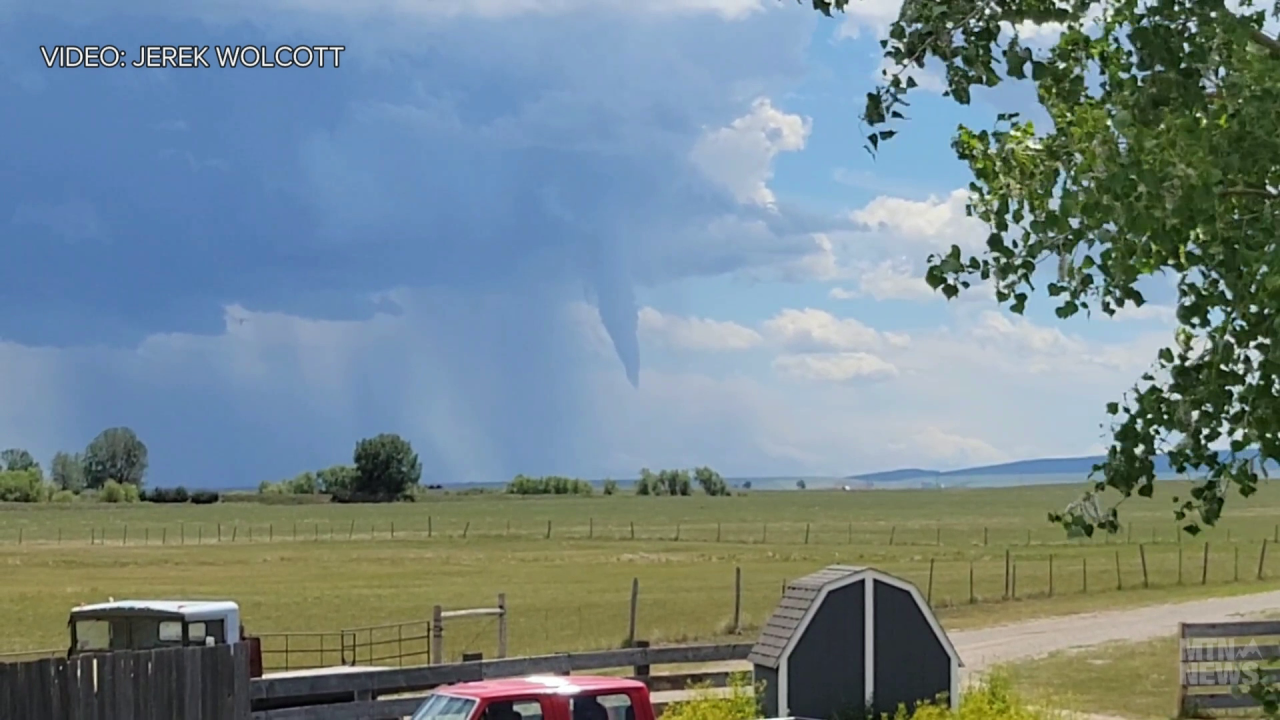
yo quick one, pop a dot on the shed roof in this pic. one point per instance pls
(797, 601)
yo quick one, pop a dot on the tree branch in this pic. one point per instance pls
(1250, 192)
(1267, 42)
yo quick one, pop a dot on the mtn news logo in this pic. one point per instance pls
(1221, 662)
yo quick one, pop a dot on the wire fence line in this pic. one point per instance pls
(737, 605)
(761, 533)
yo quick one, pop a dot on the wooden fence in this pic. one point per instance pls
(199, 683)
(1219, 662)
(389, 694)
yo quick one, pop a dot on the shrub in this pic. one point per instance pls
(25, 486)
(610, 487)
(549, 485)
(204, 497)
(166, 495)
(63, 496)
(990, 699)
(117, 492)
(740, 703)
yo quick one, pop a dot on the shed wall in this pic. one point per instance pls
(911, 664)
(769, 698)
(825, 671)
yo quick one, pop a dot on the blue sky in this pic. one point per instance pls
(563, 236)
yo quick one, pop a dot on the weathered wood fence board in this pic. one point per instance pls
(199, 683)
(1213, 674)
(361, 692)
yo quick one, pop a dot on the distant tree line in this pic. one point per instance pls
(663, 482)
(384, 468)
(111, 468)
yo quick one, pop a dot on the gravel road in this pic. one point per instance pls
(980, 649)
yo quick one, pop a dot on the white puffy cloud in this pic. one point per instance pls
(812, 330)
(887, 280)
(692, 333)
(869, 16)
(740, 156)
(835, 367)
(935, 223)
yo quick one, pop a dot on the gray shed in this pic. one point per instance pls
(845, 639)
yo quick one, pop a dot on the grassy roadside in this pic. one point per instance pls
(1127, 679)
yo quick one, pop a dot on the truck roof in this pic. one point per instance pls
(509, 688)
(195, 609)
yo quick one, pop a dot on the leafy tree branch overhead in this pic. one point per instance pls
(1162, 158)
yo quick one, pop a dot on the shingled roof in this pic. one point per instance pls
(797, 600)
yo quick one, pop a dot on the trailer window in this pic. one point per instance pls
(93, 635)
(171, 631)
(445, 707)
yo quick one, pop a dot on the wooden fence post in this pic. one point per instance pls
(972, 597)
(235, 530)
(1050, 574)
(737, 600)
(548, 529)
(1179, 563)
(465, 529)
(631, 617)
(929, 595)
(984, 537)
(1119, 580)
(124, 539)
(641, 670)
(850, 533)
(428, 526)
(437, 635)
(1262, 557)
(1204, 571)
(351, 533)
(892, 531)
(633, 530)
(591, 528)
(1142, 553)
(1182, 679)
(219, 532)
(1013, 583)
(1084, 575)
(677, 532)
(1007, 567)
(806, 533)
(502, 625)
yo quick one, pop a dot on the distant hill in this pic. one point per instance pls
(1038, 466)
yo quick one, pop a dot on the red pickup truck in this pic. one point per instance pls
(578, 697)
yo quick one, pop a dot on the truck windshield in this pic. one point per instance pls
(445, 707)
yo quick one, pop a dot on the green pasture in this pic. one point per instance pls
(566, 564)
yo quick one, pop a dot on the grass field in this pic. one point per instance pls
(568, 586)
(1136, 680)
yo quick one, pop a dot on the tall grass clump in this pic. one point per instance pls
(992, 698)
(740, 703)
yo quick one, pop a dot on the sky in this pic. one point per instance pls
(531, 236)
